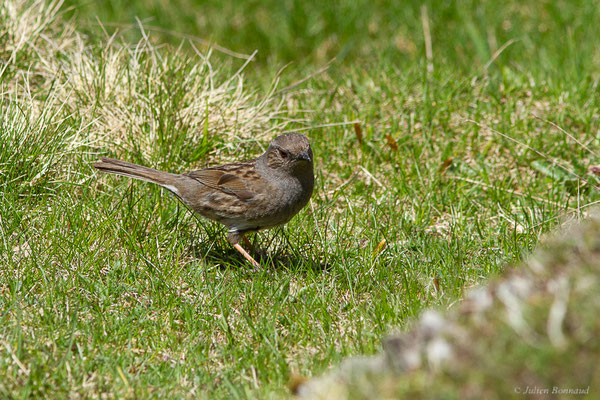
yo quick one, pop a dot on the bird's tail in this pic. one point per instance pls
(131, 170)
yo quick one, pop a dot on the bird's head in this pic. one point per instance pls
(291, 153)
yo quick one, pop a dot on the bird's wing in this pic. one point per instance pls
(232, 179)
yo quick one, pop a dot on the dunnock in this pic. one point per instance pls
(245, 196)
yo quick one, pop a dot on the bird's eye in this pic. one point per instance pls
(283, 154)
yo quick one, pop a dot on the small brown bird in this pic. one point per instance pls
(244, 196)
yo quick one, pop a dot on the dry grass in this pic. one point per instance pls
(130, 98)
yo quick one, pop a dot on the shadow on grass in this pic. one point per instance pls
(221, 254)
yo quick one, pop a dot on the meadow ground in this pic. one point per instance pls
(448, 138)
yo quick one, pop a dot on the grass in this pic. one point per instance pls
(555, 36)
(528, 333)
(111, 288)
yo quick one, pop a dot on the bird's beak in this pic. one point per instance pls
(304, 156)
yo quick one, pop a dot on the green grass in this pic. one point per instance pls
(555, 36)
(529, 331)
(111, 287)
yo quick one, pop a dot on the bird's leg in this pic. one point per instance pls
(246, 255)
(234, 239)
(247, 242)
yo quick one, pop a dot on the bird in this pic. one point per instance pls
(245, 196)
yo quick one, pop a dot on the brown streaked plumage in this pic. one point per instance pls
(244, 196)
